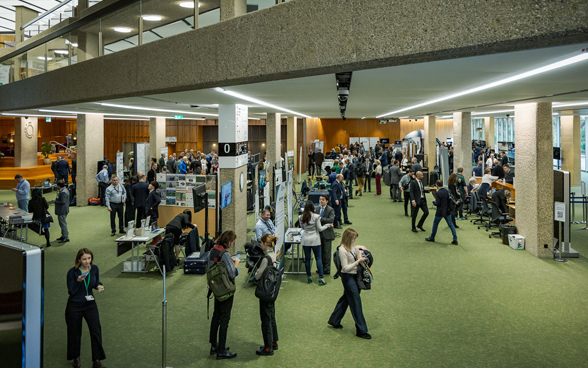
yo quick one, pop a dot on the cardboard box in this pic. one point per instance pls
(516, 241)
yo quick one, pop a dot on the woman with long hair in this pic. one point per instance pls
(351, 257)
(378, 172)
(267, 310)
(38, 206)
(219, 324)
(310, 222)
(82, 279)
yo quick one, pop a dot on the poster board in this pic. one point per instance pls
(4, 74)
(290, 199)
(366, 142)
(176, 189)
(290, 160)
(373, 141)
(316, 145)
(120, 165)
(322, 146)
(164, 152)
(280, 219)
(353, 140)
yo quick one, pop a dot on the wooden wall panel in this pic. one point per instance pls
(117, 132)
(444, 129)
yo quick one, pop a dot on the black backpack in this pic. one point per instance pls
(269, 284)
(451, 204)
(337, 262)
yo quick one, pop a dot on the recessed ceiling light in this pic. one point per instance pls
(491, 112)
(256, 101)
(43, 58)
(122, 29)
(569, 61)
(152, 18)
(188, 4)
(61, 52)
(571, 104)
(160, 110)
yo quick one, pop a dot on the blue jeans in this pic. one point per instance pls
(23, 204)
(317, 255)
(449, 223)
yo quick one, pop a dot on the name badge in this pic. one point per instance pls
(90, 298)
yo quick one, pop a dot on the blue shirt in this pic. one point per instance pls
(264, 227)
(23, 189)
(102, 176)
(182, 167)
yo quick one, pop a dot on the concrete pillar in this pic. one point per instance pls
(462, 140)
(156, 137)
(23, 15)
(430, 142)
(90, 145)
(273, 139)
(88, 45)
(571, 148)
(232, 132)
(489, 132)
(534, 141)
(25, 141)
(232, 8)
(292, 138)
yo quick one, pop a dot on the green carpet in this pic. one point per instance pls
(478, 304)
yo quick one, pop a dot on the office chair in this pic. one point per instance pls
(497, 218)
(484, 214)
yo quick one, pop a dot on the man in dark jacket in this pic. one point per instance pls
(152, 205)
(171, 167)
(161, 162)
(500, 197)
(319, 157)
(349, 176)
(337, 199)
(74, 170)
(140, 192)
(418, 201)
(327, 214)
(497, 169)
(442, 203)
(395, 176)
(508, 174)
(63, 169)
(62, 209)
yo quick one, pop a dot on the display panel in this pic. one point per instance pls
(226, 194)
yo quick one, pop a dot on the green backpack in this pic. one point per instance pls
(218, 279)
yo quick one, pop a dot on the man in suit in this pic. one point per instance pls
(497, 169)
(344, 203)
(62, 209)
(170, 165)
(74, 170)
(153, 200)
(327, 214)
(337, 199)
(405, 184)
(398, 155)
(161, 162)
(478, 170)
(500, 197)
(442, 203)
(332, 176)
(319, 158)
(140, 192)
(508, 174)
(369, 167)
(416, 167)
(395, 176)
(63, 169)
(504, 159)
(349, 176)
(418, 201)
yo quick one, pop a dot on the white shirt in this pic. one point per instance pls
(487, 178)
(489, 162)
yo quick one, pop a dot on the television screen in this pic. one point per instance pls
(385, 140)
(226, 196)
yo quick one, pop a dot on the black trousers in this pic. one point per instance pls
(344, 203)
(350, 188)
(415, 211)
(318, 169)
(140, 216)
(74, 312)
(337, 208)
(64, 178)
(326, 255)
(406, 202)
(129, 212)
(310, 168)
(395, 192)
(220, 323)
(102, 187)
(368, 182)
(117, 209)
(269, 329)
(351, 299)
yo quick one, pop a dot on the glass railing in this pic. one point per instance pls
(140, 22)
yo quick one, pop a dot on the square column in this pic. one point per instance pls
(273, 139)
(489, 132)
(571, 148)
(232, 147)
(22, 16)
(25, 141)
(90, 145)
(462, 141)
(232, 8)
(156, 137)
(430, 141)
(534, 172)
(292, 137)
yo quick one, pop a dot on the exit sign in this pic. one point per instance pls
(179, 117)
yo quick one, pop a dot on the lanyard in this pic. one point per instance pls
(87, 284)
(269, 227)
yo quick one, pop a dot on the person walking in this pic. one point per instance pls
(452, 185)
(378, 173)
(418, 201)
(310, 222)
(38, 207)
(395, 176)
(442, 201)
(152, 204)
(221, 316)
(62, 209)
(463, 191)
(267, 310)
(405, 187)
(115, 197)
(360, 173)
(102, 178)
(337, 199)
(22, 192)
(351, 258)
(327, 215)
(140, 193)
(82, 280)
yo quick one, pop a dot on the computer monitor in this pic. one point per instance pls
(199, 197)
(226, 194)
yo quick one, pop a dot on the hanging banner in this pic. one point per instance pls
(290, 159)
(280, 219)
(366, 142)
(373, 141)
(322, 146)
(256, 190)
(289, 194)
(353, 140)
(300, 168)
(120, 165)
(164, 152)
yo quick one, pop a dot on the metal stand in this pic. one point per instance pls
(584, 213)
(164, 326)
(574, 209)
(560, 243)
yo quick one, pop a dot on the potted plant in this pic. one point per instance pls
(45, 151)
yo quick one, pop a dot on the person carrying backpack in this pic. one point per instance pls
(267, 309)
(445, 203)
(220, 273)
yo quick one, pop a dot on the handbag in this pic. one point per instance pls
(47, 219)
(363, 277)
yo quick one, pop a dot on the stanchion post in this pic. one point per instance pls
(164, 327)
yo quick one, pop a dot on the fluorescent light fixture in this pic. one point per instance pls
(152, 18)
(363, 118)
(95, 113)
(256, 101)
(571, 104)
(160, 110)
(74, 44)
(116, 118)
(560, 64)
(122, 29)
(43, 58)
(442, 117)
(33, 115)
(188, 4)
(61, 52)
(491, 112)
(254, 118)
(555, 113)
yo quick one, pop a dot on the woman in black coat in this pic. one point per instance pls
(38, 206)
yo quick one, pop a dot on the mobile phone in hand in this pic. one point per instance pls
(238, 256)
(85, 273)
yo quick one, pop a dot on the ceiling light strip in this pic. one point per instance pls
(154, 109)
(560, 64)
(259, 102)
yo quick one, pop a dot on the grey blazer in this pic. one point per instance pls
(328, 218)
(395, 175)
(311, 236)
